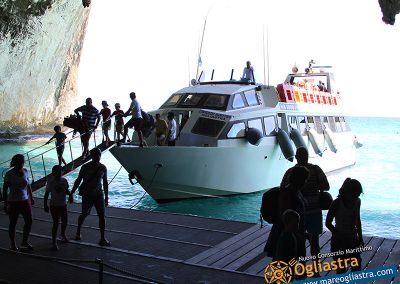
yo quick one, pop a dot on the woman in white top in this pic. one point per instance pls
(18, 200)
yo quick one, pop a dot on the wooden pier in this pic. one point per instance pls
(153, 247)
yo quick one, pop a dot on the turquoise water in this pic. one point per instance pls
(377, 169)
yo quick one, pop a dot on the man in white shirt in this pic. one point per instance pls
(136, 121)
(171, 129)
(248, 72)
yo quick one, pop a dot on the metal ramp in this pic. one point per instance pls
(39, 165)
(70, 167)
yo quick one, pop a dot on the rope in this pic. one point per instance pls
(145, 192)
(123, 271)
(115, 176)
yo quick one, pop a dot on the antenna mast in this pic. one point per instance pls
(268, 54)
(201, 46)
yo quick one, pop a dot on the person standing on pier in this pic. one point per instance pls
(90, 121)
(136, 121)
(316, 183)
(57, 186)
(94, 192)
(347, 231)
(18, 201)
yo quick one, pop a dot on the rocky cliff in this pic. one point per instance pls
(40, 47)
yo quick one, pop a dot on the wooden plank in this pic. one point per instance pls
(223, 245)
(393, 259)
(235, 246)
(258, 267)
(382, 253)
(242, 255)
(248, 259)
(367, 256)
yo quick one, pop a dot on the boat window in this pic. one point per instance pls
(292, 121)
(251, 97)
(338, 125)
(302, 124)
(191, 100)
(217, 101)
(310, 122)
(238, 101)
(318, 124)
(331, 121)
(237, 130)
(172, 100)
(270, 125)
(256, 123)
(208, 127)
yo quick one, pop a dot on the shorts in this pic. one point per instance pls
(59, 211)
(135, 122)
(20, 207)
(89, 201)
(314, 222)
(60, 150)
(106, 125)
(119, 128)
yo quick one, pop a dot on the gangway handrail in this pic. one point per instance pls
(27, 153)
(42, 154)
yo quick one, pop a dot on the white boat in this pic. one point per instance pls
(236, 139)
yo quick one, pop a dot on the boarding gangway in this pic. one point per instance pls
(40, 164)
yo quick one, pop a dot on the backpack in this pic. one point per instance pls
(270, 205)
(148, 119)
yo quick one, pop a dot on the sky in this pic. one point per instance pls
(151, 47)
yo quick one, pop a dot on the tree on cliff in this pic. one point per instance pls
(389, 8)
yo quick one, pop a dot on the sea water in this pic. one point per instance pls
(377, 168)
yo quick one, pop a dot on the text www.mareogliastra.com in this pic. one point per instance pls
(353, 277)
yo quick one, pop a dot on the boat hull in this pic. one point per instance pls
(171, 173)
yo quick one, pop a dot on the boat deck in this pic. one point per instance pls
(155, 247)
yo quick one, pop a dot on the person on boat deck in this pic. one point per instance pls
(347, 231)
(321, 86)
(171, 137)
(94, 192)
(136, 121)
(90, 121)
(18, 200)
(161, 130)
(316, 183)
(248, 72)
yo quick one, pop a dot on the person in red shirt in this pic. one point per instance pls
(106, 115)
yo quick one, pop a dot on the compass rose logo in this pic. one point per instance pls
(279, 272)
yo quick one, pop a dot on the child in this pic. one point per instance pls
(60, 138)
(287, 247)
(57, 186)
(106, 114)
(347, 231)
(119, 120)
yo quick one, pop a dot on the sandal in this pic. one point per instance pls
(104, 243)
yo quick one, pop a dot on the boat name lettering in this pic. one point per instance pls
(288, 106)
(214, 115)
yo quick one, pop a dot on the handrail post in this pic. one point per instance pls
(44, 167)
(72, 158)
(94, 137)
(30, 167)
(101, 269)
